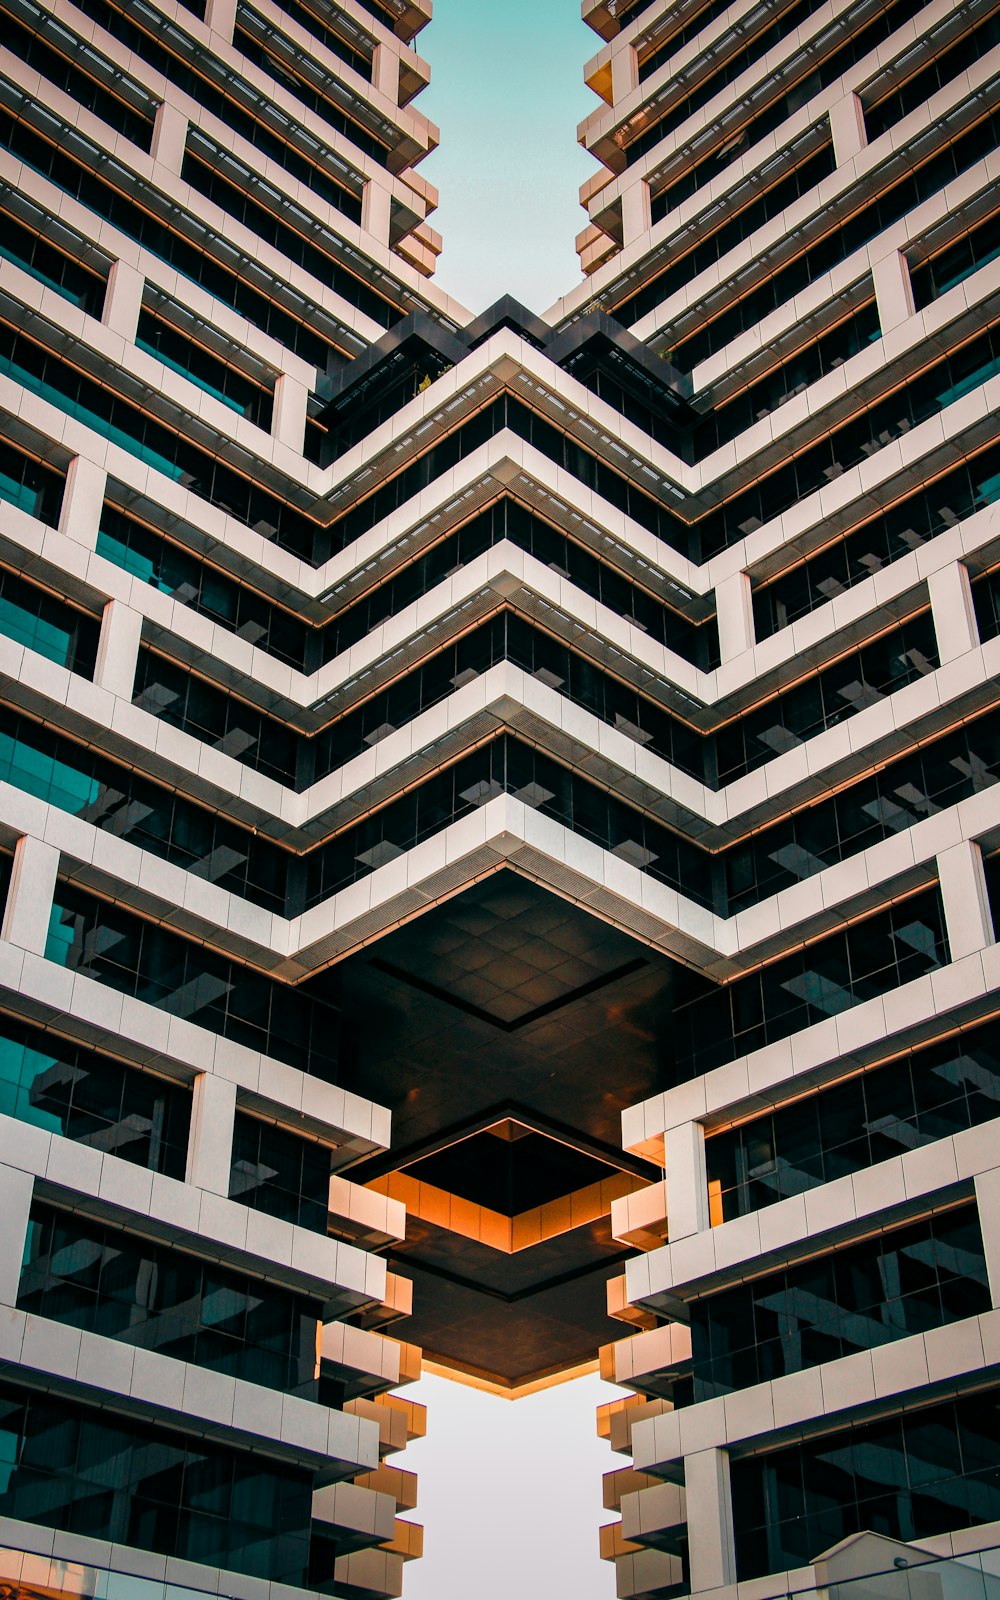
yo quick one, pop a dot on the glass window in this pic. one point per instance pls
(276, 55)
(886, 950)
(178, 571)
(864, 551)
(817, 258)
(51, 266)
(907, 1477)
(88, 77)
(765, 38)
(986, 589)
(38, 620)
(119, 800)
(992, 872)
(280, 1173)
(163, 969)
(855, 682)
(66, 1089)
(956, 262)
(74, 1467)
(219, 176)
(783, 383)
(44, 373)
(166, 689)
(225, 383)
(104, 1280)
(309, 335)
(920, 86)
(902, 1282)
(926, 1095)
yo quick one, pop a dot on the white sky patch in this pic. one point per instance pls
(510, 1494)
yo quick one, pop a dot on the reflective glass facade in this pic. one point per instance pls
(898, 1283)
(926, 1472)
(69, 1090)
(498, 810)
(87, 1471)
(161, 1298)
(910, 1101)
(140, 958)
(837, 972)
(280, 1173)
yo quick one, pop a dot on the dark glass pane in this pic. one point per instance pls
(132, 1483)
(910, 1477)
(926, 1095)
(901, 1282)
(95, 1276)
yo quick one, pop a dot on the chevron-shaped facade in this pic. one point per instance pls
(571, 740)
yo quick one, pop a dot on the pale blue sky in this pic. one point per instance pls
(510, 1492)
(507, 92)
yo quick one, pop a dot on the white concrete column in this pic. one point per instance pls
(624, 72)
(686, 1178)
(118, 649)
(29, 898)
(288, 420)
(220, 15)
(953, 611)
(893, 291)
(988, 1202)
(83, 501)
(847, 129)
(210, 1147)
(711, 1540)
(385, 72)
(170, 129)
(15, 1203)
(376, 210)
(637, 216)
(123, 300)
(734, 612)
(966, 903)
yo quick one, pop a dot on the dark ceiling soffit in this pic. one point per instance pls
(387, 1161)
(426, 987)
(407, 1263)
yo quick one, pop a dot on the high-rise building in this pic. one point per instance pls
(531, 730)
(206, 216)
(799, 213)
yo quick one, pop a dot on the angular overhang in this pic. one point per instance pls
(506, 1028)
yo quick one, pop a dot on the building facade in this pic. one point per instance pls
(498, 812)
(207, 214)
(798, 209)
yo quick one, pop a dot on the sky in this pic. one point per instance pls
(509, 1491)
(507, 92)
